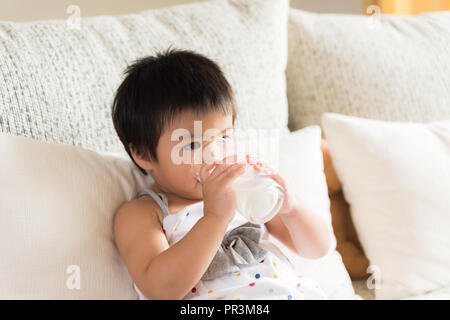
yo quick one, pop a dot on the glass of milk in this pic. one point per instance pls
(258, 196)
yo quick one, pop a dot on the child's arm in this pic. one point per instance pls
(160, 271)
(303, 231)
(163, 272)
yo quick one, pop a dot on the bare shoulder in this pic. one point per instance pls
(139, 236)
(135, 212)
(136, 223)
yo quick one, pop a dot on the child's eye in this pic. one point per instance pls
(225, 137)
(193, 145)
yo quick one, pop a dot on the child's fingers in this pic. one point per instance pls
(255, 162)
(259, 166)
(272, 173)
(204, 172)
(232, 172)
(279, 179)
(268, 170)
(223, 165)
(283, 183)
(251, 159)
(206, 169)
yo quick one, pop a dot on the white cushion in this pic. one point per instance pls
(396, 178)
(440, 294)
(393, 69)
(57, 204)
(300, 162)
(58, 82)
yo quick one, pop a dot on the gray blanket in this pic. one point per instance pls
(239, 246)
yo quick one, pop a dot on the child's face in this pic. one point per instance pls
(178, 156)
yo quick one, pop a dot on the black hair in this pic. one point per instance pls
(158, 88)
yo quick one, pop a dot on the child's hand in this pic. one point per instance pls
(289, 200)
(218, 196)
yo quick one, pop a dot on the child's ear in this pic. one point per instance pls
(141, 160)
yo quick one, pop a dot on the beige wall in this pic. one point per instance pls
(27, 10)
(330, 6)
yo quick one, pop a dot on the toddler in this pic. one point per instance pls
(182, 237)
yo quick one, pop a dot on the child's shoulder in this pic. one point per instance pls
(136, 212)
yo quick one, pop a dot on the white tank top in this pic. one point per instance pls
(271, 278)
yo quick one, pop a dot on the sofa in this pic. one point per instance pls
(65, 171)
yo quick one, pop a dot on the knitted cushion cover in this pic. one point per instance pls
(385, 67)
(58, 82)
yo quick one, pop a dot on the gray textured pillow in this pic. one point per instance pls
(57, 83)
(396, 68)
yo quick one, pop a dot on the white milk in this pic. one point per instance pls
(258, 197)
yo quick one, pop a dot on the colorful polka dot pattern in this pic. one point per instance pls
(270, 278)
(275, 291)
(273, 286)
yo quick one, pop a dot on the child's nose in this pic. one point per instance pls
(215, 152)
